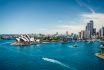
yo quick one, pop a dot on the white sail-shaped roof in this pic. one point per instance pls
(18, 39)
(26, 38)
(31, 39)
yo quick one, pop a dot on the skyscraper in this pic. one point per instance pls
(66, 33)
(89, 29)
(102, 32)
(82, 34)
(94, 31)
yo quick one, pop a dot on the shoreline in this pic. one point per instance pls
(99, 55)
(33, 43)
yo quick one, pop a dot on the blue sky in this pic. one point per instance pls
(49, 16)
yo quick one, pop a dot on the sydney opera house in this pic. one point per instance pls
(26, 40)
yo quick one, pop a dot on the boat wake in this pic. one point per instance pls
(5, 43)
(57, 62)
(11, 49)
(70, 46)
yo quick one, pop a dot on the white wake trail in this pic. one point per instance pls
(5, 43)
(11, 49)
(57, 62)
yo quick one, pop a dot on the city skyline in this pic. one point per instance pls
(49, 16)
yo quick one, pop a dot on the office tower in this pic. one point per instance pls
(89, 29)
(82, 34)
(94, 31)
(87, 34)
(66, 33)
(79, 35)
(99, 33)
(102, 32)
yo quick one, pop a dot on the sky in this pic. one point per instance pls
(49, 16)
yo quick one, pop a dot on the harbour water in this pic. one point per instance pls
(50, 56)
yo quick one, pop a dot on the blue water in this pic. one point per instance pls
(52, 56)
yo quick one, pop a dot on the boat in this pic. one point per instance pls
(75, 45)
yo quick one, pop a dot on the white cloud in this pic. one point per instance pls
(70, 28)
(98, 19)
